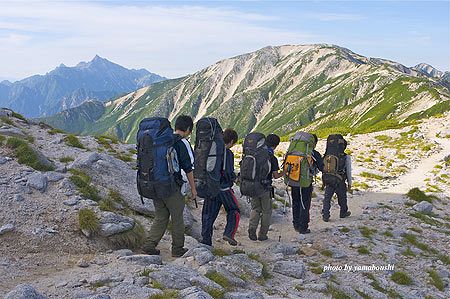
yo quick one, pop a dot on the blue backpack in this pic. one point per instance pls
(209, 157)
(156, 158)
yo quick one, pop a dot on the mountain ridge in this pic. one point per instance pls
(67, 87)
(280, 89)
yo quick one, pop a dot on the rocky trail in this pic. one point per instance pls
(46, 251)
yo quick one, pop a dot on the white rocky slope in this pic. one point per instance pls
(41, 243)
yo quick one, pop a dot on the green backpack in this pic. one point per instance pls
(298, 160)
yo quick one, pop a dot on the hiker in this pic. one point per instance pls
(226, 197)
(301, 203)
(337, 169)
(173, 205)
(260, 190)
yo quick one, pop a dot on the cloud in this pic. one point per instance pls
(170, 40)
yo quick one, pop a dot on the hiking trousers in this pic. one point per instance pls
(341, 191)
(172, 207)
(301, 204)
(261, 211)
(210, 211)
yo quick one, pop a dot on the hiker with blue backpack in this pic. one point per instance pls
(337, 170)
(258, 167)
(225, 196)
(161, 157)
(301, 164)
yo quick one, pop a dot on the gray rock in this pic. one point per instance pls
(194, 293)
(398, 233)
(53, 176)
(286, 249)
(85, 160)
(18, 197)
(316, 287)
(73, 201)
(3, 160)
(205, 283)
(125, 290)
(123, 252)
(82, 263)
(24, 291)
(99, 296)
(143, 259)
(244, 295)
(240, 264)
(202, 255)
(177, 277)
(103, 279)
(37, 181)
(11, 131)
(423, 207)
(9, 227)
(111, 224)
(290, 268)
(338, 254)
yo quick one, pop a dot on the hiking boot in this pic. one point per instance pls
(179, 252)
(151, 251)
(348, 213)
(262, 238)
(326, 218)
(252, 235)
(296, 228)
(230, 241)
(305, 231)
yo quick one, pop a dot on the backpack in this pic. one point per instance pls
(209, 153)
(334, 160)
(298, 161)
(156, 158)
(255, 165)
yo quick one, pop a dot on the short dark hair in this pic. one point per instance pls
(184, 123)
(272, 140)
(230, 136)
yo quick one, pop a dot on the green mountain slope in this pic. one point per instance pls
(280, 89)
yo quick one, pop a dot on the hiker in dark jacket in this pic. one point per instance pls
(262, 205)
(340, 188)
(173, 206)
(226, 197)
(301, 203)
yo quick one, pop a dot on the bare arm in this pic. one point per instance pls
(190, 177)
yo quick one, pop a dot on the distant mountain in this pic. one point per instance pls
(428, 70)
(68, 87)
(279, 89)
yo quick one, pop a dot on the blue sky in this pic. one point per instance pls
(175, 38)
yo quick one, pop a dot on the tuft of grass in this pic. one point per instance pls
(124, 157)
(7, 120)
(265, 270)
(111, 201)
(367, 232)
(327, 253)
(316, 270)
(83, 183)
(360, 185)
(408, 252)
(220, 252)
(412, 239)
(428, 219)
(383, 138)
(418, 195)
(19, 116)
(55, 131)
(219, 279)
(370, 175)
(336, 293)
(72, 140)
(2, 139)
(88, 220)
(216, 293)
(146, 272)
(363, 295)
(66, 159)
(363, 250)
(401, 278)
(344, 229)
(167, 294)
(436, 280)
(131, 239)
(26, 155)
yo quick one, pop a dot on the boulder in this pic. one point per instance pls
(24, 291)
(194, 293)
(244, 295)
(9, 227)
(290, 268)
(37, 181)
(112, 224)
(143, 259)
(423, 207)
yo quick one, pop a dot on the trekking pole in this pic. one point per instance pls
(196, 204)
